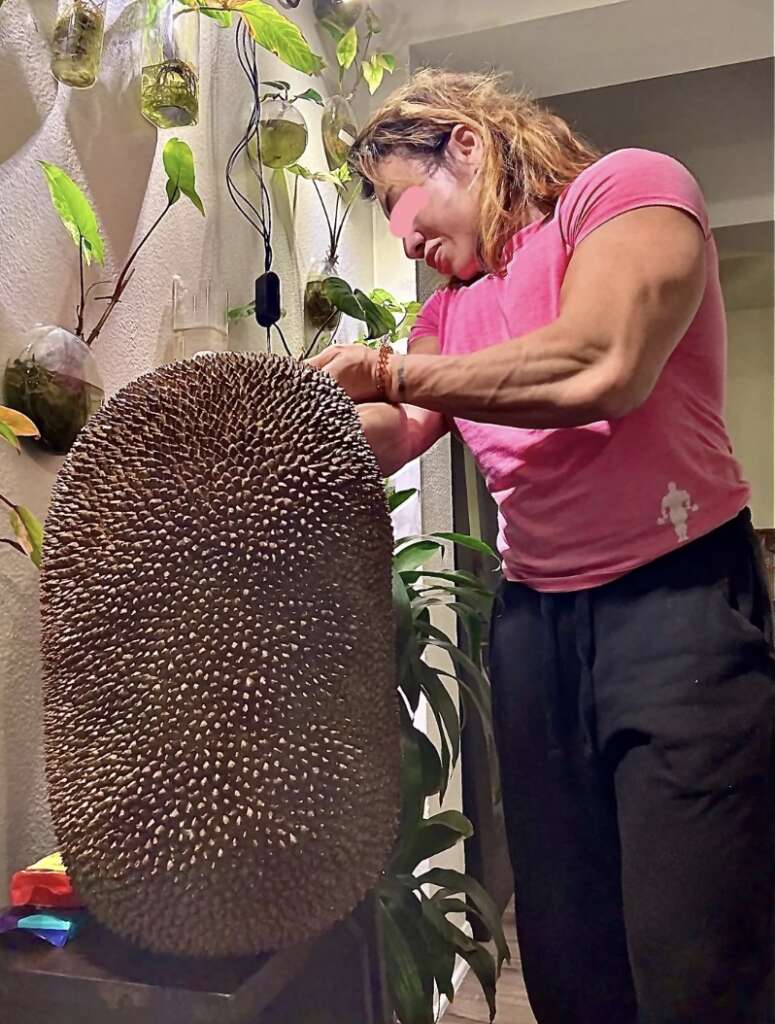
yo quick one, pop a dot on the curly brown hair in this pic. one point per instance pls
(530, 154)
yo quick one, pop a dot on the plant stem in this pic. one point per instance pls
(13, 543)
(10, 504)
(124, 276)
(332, 249)
(311, 347)
(82, 303)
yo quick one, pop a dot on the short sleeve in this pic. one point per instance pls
(626, 180)
(428, 322)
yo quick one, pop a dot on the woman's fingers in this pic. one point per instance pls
(325, 357)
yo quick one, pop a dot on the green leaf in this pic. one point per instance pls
(415, 554)
(412, 792)
(387, 61)
(466, 541)
(333, 30)
(386, 299)
(75, 212)
(9, 436)
(241, 312)
(223, 18)
(406, 645)
(435, 957)
(28, 531)
(431, 765)
(456, 881)
(308, 175)
(358, 305)
(412, 1004)
(434, 835)
(373, 72)
(443, 706)
(397, 498)
(277, 84)
(279, 35)
(311, 94)
(179, 165)
(482, 963)
(347, 48)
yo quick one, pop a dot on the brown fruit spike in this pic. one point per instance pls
(221, 714)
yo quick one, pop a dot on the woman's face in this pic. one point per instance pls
(445, 230)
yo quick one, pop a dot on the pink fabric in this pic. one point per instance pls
(581, 506)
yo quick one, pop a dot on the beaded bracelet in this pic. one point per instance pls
(385, 351)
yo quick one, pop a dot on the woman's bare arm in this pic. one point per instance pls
(399, 433)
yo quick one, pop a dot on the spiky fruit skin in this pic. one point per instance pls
(221, 714)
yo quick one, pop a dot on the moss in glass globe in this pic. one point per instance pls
(170, 94)
(76, 47)
(342, 13)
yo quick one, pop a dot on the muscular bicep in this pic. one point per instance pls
(632, 288)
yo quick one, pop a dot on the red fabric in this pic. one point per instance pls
(43, 889)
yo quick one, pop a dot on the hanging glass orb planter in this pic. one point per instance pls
(337, 126)
(76, 46)
(170, 76)
(321, 317)
(342, 13)
(283, 133)
(55, 382)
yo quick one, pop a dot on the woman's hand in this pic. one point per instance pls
(353, 367)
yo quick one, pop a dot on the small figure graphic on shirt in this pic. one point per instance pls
(676, 506)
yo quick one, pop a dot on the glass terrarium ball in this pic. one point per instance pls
(343, 13)
(283, 133)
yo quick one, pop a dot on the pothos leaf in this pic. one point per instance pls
(75, 212)
(28, 531)
(278, 34)
(311, 94)
(8, 435)
(347, 48)
(17, 422)
(179, 165)
(387, 61)
(373, 72)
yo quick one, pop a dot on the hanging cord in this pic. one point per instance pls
(259, 219)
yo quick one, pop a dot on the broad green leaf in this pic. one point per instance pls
(397, 498)
(413, 555)
(385, 298)
(412, 1004)
(311, 94)
(358, 305)
(223, 18)
(28, 531)
(435, 958)
(434, 835)
(456, 881)
(460, 577)
(373, 72)
(443, 706)
(466, 541)
(8, 435)
(333, 30)
(482, 963)
(75, 212)
(241, 312)
(431, 765)
(347, 48)
(279, 35)
(387, 60)
(412, 793)
(210, 9)
(179, 165)
(17, 422)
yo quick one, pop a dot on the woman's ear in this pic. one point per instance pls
(465, 145)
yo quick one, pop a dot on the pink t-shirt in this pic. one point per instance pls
(581, 506)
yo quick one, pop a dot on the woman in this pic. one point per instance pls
(579, 351)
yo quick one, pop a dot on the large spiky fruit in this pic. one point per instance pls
(221, 716)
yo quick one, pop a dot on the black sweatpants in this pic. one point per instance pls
(634, 724)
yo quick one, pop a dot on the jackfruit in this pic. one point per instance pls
(220, 708)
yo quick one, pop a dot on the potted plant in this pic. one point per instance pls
(54, 380)
(419, 943)
(27, 529)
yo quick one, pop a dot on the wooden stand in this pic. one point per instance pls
(98, 979)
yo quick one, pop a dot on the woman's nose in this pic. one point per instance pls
(414, 244)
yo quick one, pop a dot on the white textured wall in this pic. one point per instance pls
(100, 139)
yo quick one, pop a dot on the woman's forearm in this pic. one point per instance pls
(543, 379)
(399, 433)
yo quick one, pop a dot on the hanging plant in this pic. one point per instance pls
(341, 13)
(169, 89)
(282, 130)
(54, 380)
(76, 45)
